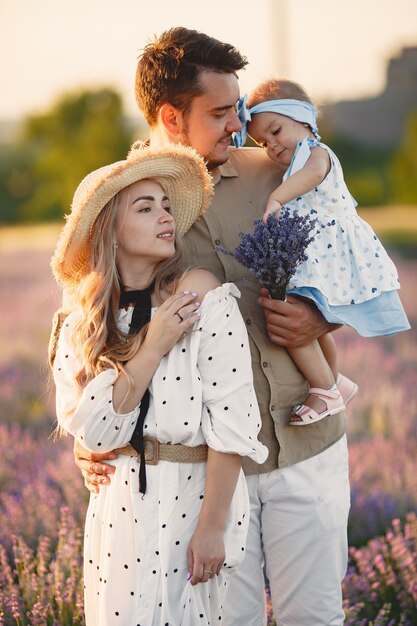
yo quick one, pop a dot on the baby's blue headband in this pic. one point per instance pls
(298, 110)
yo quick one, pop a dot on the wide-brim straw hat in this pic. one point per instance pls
(179, 170)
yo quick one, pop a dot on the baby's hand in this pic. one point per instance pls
(272, 207)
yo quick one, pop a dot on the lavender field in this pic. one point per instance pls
(43, 501)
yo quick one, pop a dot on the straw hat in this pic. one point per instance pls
(179, 170)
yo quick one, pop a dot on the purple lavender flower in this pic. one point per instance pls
(276, 248)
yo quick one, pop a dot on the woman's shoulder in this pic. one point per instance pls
(198, 280)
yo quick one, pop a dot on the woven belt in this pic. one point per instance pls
(176, 453)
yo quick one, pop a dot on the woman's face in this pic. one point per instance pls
(145, 227)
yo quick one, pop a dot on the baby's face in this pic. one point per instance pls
(278, 134)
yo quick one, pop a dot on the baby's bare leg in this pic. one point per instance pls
(311, 362)
(328, 347)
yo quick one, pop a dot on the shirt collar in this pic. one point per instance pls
(224, 171)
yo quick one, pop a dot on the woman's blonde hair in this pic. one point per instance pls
(97, 339)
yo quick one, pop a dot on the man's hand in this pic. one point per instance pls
(293, 323)
(93, 469)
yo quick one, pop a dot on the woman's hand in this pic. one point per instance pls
(206, 555)
(170, 321)
(206, 552)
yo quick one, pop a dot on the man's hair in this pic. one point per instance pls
(277, 89)
(169, 68)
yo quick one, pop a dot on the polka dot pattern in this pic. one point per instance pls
(136, 547)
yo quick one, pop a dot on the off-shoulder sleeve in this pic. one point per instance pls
(89, 417)
(230, 414)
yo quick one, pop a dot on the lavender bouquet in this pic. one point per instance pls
(276, 248)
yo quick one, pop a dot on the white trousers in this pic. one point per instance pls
(298, 529)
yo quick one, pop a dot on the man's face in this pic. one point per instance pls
(211, 120)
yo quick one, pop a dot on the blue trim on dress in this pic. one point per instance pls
(383, 315)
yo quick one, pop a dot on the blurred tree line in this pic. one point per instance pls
(40, 170)
(379, 176)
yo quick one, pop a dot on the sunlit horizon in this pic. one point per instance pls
(338, 51)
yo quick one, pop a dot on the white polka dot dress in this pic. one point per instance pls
(348, 273)
(135, 553)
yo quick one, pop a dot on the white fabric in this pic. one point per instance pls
(135, 547)
(298, 521)
(346, 262)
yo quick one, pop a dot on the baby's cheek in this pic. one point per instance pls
(270, 152)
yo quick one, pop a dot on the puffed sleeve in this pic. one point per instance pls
(230, 413)
(89, 417)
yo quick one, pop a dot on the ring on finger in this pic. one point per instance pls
(207, 571)
(181, 318)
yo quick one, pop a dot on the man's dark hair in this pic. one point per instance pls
(168, 69)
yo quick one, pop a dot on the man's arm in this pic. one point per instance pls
(293, 323)
(93, 468)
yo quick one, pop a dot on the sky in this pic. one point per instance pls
(337, 49)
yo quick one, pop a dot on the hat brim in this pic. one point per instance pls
(179, 170)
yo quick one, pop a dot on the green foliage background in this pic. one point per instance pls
(380, 176)
(55, 150)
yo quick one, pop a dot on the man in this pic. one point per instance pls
(187, 89)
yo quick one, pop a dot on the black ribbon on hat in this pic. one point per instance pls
(141, 299)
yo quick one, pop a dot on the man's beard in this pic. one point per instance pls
(211, 162)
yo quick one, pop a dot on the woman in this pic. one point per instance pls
(177, 387)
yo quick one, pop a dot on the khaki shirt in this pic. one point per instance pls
(242, 186)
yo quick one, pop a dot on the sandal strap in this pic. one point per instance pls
(324, 393)
(307, 415)
(303, 411)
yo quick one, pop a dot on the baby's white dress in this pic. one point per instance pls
(135, 551)
(348, 274)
